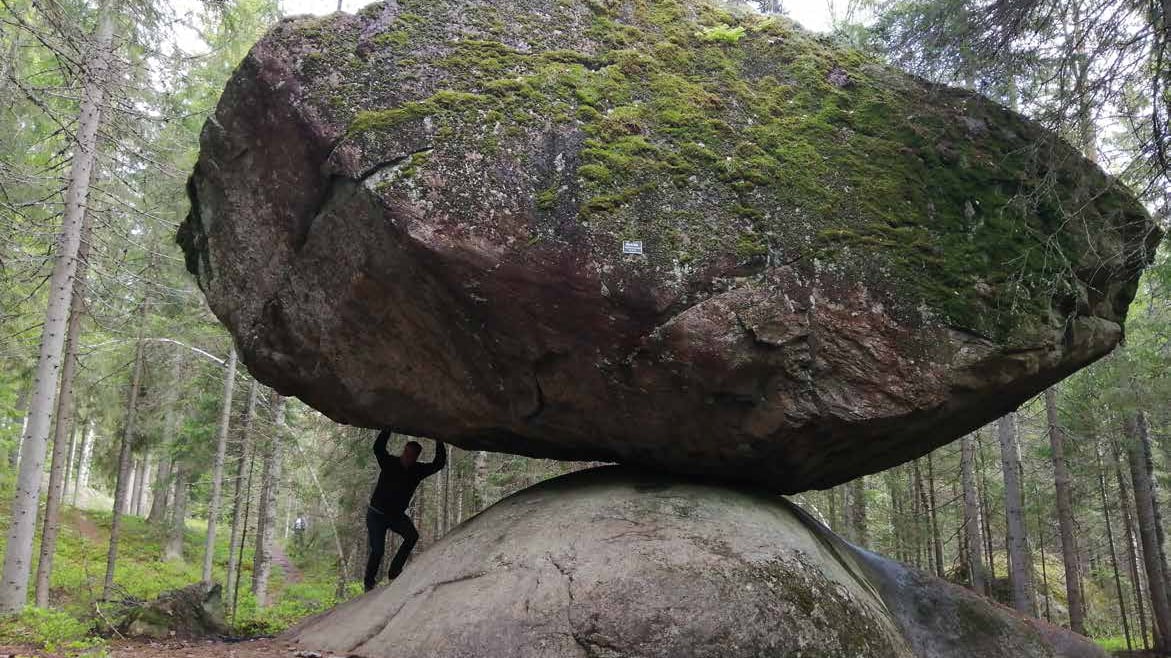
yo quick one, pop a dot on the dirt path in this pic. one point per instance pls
(279, 558)
(246, 649)
(88, 528)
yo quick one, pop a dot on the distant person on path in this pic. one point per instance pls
(400, 476)
(299, 532)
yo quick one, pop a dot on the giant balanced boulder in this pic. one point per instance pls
(646, 231)
(613, 563)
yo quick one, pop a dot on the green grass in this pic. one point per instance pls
(75, 622)
(1116, 643)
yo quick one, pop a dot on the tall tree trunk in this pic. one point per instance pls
(479, 481)
(244, 532)
(127, 439)
(140, 498)
(1113, 552)
(1146, 506)
(58, 471)
(131, 471)
(139, 483)
(14, 456)
(217, 473)
(14, 578)
(971, 515)
(438, 518)
(267, 512)
(831, 509)
(84, 459)
(288, 512)
(448, 499)
(241, 494)
(1041, 552)
(178, 527)
(985, 511)
(898, 536)
(1131, 544)
(164, 482)
(936, 538)
(919, 515)
(1061, 482)
(1020, 564)
(857, 489)
(71, 457)
(461, 487)
(162, 479)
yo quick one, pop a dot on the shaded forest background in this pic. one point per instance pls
(1055, 509)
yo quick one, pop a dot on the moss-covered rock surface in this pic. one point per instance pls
(615, 563)
(423, 215)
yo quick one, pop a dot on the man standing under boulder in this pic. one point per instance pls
(397, 482)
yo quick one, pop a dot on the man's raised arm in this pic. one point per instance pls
(380, 445)
(439, 462)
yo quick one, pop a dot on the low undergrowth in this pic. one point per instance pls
(78, 622)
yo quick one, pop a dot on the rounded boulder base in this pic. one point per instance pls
(614, 562)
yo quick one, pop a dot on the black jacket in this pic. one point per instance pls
(396, 484)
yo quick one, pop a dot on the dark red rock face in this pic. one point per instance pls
(401, 238)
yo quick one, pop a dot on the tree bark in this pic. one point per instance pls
(84, 459)
(918, 517)
(267, 512)
(1113, 551)
(1146, 508)
(241, 493)
(128, 427)
(438, 518)
(71, 457)
(217, 474)
(1020, 563)
(896, 524)
(1061, 483)
(163, 480)
(136, 469)
(985, 511)
(933, 517)
(447, 497)
(972, 515)
(1131, 543)
(1041, 552)
(858, 525)
(479, 481)
(139, 506)
(14, 578)
(58, 470)
(178, 527)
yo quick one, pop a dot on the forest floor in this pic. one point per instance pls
(78, 623)
(257, 648)
(266, 648)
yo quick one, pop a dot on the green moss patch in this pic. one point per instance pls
(712, 135)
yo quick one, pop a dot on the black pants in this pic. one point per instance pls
(377, 523)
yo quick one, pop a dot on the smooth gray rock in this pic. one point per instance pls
(615, 563)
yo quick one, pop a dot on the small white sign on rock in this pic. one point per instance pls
(632, 247)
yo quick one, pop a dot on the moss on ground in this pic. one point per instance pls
(714, 135)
